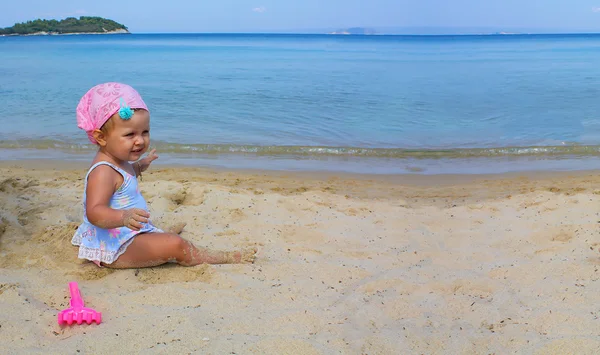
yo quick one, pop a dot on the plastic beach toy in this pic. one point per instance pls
(78, 313)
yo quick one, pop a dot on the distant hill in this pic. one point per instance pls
(70, 25)
(354, 31)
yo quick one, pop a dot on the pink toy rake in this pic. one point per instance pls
(77, 312)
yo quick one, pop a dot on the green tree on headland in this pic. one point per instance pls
(85, 24)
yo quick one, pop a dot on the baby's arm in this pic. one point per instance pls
(103, 181)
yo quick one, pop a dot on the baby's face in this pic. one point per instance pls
(129, 139)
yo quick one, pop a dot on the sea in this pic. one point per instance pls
(379, 104)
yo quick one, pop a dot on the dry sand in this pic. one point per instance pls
(348, 264)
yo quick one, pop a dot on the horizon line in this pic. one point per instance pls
(498, 33)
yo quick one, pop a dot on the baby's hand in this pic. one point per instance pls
(133, 218)
(150, 157)
(144, 163)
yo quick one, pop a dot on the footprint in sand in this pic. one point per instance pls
(176, 228)
(14, 184)
(170, 196)
(563, 234)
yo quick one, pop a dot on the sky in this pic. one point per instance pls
(400, 16)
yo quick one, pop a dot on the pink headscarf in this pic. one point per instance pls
(101, 102)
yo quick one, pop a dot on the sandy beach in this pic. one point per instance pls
(348, 264)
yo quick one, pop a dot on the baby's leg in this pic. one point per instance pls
(152, 249)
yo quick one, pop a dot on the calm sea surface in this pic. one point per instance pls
(383, 104)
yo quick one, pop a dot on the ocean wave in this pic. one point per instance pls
(572, 150)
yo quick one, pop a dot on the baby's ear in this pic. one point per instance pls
(100, 137)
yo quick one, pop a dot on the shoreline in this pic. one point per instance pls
(334, 158)
(479, 166)
(66, 165)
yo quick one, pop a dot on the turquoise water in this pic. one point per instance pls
(426, 104)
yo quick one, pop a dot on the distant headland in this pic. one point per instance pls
(70, 25)
(354, 31)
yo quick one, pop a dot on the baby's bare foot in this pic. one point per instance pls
(248, 255)
(244, 256)
(176, 228)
